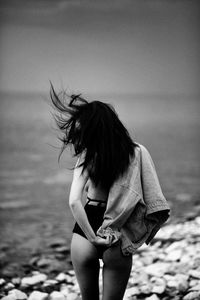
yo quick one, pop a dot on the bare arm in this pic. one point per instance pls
(76, 206)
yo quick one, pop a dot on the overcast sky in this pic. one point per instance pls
(107, 46)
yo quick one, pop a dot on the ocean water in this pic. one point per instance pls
(35, 187)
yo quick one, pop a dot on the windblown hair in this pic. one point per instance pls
(94, 129)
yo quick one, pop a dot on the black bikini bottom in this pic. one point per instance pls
(95, 215)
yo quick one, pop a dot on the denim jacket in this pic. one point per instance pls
(136, 207)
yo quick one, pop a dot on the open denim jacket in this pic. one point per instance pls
(136, 207)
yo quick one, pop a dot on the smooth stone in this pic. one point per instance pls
(138, 278)
(18, 294)
(2, 281)
(159, 285)
(70, 279)
(35, 279)
(36, 295)
(72, 296)
(196, 262)
(9, 297)
(138, 264)
(175, 245)
(179, 268)
(16, 280)
(9, 286)
(64, 289)
(195, 287)
(194, 274)
(193, 282)
(61, 277)
(147, 260)
(50, 282)
(146, 288)
(182, 280)
(197, 220)
(185, 258)
(157, 269)
(174, 255)
(192, 296)
(161, 256)
(57, 296)
(132, 291)
(36, 273)
(178, 283)
(71, 272)
(152, 297)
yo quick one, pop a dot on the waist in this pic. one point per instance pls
(96, 202)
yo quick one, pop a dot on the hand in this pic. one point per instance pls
(99, 241)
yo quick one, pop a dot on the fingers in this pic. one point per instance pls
(102, 241)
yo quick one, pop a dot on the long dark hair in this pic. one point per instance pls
(94, 129)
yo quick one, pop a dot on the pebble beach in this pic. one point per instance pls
(168, 269)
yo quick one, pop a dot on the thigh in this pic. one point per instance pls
(116, 272)
(86, 266)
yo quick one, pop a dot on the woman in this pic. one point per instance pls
(106, 165)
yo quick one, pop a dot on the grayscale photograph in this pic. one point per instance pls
(99, 150)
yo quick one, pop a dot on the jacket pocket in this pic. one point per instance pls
(135, 227)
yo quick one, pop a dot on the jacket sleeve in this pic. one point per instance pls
(157, 207)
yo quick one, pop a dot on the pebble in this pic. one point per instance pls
(33, 279)
(57, 296)
(18, 294)
(157, 269)
(9, 286)
(16, 281)
(195, 287)
(152, 297)
(194, 274)
(159, 285)
(61, 277)
(36, 295)
(9, 297)
(174, 255)
(50, 282)
(72, 296)
(146, 288)
(64, 289)
(192, 296)
(193, 282)
(131, 292)
(2, 281)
